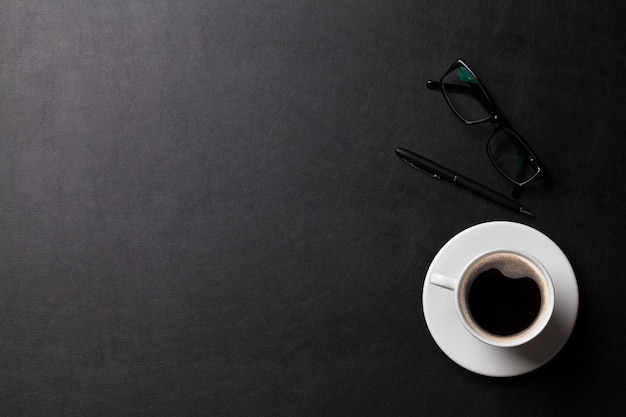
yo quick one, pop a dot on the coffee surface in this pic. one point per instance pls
(501, 305)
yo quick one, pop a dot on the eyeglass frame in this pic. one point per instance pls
(495, 117)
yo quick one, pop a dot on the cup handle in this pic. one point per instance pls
(444, 281)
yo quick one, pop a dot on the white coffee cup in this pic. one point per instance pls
(504, 298)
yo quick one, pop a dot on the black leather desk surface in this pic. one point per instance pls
(201, 211)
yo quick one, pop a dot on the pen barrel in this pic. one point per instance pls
(488, 193)
(435, 170)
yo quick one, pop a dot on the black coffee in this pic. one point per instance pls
(501, 305)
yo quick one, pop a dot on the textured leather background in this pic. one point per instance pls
(201, 212)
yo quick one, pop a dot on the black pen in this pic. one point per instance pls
(439, 172)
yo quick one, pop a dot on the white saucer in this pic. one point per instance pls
(450, 334)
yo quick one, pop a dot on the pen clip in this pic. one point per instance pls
(430, 174)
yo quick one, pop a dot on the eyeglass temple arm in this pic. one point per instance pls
(456, 88)
(453, 88)
(436, 85)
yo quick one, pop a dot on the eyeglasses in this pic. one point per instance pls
(469, 100)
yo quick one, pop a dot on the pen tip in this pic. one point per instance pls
(523, 210)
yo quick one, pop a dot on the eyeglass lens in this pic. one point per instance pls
(465, 95)
(509, 153)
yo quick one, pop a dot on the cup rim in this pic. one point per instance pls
(507, 341)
